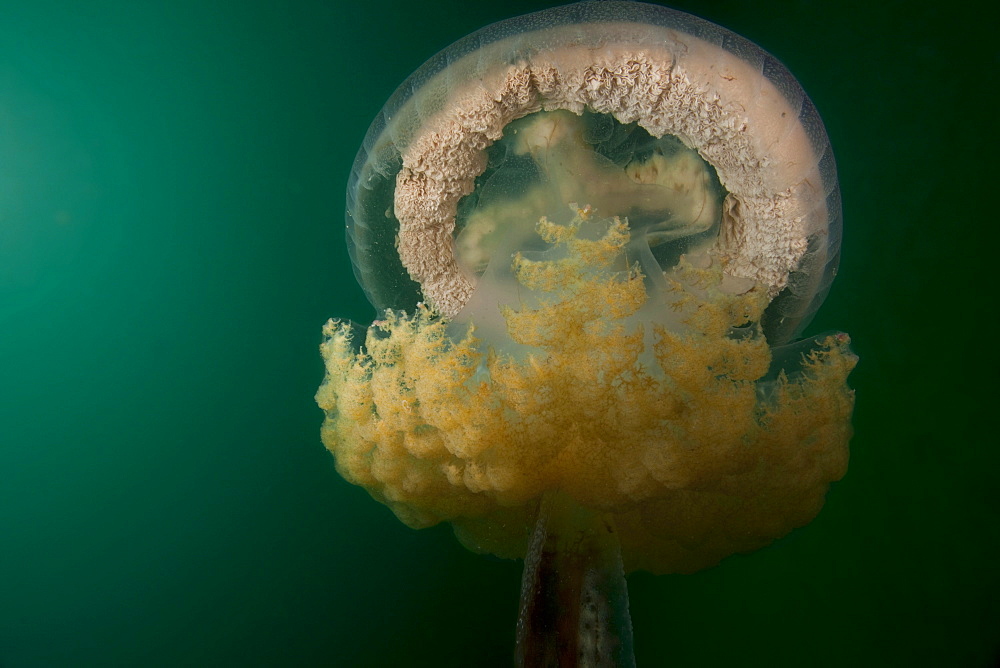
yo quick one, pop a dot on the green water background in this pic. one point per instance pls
(171, 241)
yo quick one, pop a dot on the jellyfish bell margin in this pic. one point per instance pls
(593, 231)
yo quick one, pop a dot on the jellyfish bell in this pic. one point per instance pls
(594, 232)
(661, 71)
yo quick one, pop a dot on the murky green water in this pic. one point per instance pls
(171, 241)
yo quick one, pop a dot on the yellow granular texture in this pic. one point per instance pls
(675, 434)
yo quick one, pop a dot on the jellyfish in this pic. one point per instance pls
(594, 235)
